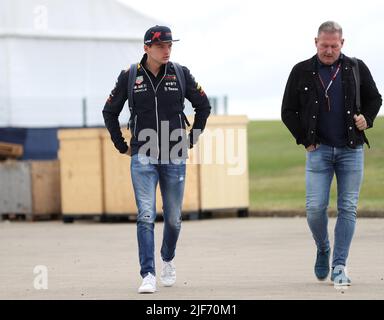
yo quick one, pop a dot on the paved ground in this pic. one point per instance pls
(236, 258)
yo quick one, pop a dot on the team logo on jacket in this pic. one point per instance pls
(139, 80)
(170, 77)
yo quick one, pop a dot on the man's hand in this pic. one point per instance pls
(360, 122)
(128, 152)
(312, 147)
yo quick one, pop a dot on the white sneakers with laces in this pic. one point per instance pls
(168, 274)
(148, 285)
(167, 277)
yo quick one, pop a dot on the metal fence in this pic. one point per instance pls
(72, 111)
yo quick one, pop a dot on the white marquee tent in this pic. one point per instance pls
(57, 56)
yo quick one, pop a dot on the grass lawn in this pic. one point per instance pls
(277, 169)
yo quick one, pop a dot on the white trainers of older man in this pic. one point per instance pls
(168, 274)
(148, 285)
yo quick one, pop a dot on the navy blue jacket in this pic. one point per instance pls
(154, 104)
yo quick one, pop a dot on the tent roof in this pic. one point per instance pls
(99, 19)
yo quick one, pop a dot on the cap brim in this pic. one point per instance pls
(163, 41)
(166, 41)
(170, 40)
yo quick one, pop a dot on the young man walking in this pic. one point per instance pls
(159, 144)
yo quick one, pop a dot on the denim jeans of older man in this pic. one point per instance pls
(146, 174)
(321, 166)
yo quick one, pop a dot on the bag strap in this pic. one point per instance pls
(181, 76)
(131, 84)
(356, 74)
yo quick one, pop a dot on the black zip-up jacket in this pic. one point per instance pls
(300, 107)
(153, 104)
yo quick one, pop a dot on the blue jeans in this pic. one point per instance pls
(145, 176)
(321, 165)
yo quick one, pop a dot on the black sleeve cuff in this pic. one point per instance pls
(124, 149)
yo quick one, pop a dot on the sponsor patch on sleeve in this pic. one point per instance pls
(200, 89)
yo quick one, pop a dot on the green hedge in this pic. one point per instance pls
(276, 169)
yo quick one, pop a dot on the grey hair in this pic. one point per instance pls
(330, 27)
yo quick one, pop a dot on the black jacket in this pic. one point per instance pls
(154, 104)
(300, 107)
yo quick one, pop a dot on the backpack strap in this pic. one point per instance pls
(181, 76)
(131, 84)
(356, 74)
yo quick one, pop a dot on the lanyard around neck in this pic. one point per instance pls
(330, 82)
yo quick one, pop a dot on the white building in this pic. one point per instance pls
(56, 54)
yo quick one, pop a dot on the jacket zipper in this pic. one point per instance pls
(157, 113)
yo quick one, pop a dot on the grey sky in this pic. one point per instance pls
(246, 49)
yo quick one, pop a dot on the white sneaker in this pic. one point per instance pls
(340, 276)
(148, 285)
(168, 274)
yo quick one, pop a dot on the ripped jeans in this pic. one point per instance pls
(145, 176)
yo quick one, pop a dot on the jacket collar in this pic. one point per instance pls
(313, 63)
(144, 60)
(321, 65)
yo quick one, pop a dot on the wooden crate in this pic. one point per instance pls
(45, 182)
(224, 185)
(81, 171)
(10, 150)
(30, 188)
(191, 201)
